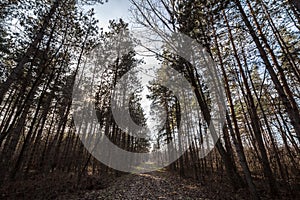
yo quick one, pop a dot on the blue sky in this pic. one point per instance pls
(113, 9)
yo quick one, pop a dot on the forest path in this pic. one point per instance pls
(153, 185)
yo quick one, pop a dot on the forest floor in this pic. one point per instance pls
(160, 184)
(156, 185)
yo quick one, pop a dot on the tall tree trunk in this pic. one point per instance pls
(236, 138)
(18, 70)
(288, 98)
(230, 167)
(254, 120)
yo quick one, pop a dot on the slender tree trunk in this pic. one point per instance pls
(287, 95)
(290, 110)
(230, 167)
(18, 70)
(236, 139)
(282, 44)
(254, 120)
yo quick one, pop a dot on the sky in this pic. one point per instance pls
(115, 9)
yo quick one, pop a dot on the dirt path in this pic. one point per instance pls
(153, 185)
